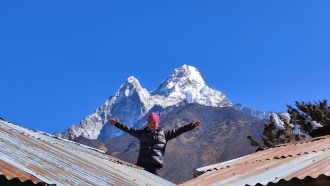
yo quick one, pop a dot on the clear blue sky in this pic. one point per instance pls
(60, 60)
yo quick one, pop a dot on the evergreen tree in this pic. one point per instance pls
(307, 115)
(306, 120)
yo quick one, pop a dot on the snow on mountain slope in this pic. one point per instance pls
(253, 112)
(132, 102)
(187, 84)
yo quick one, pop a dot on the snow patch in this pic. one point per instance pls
(277, 121)
(315, 124)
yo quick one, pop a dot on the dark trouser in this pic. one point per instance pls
(154, 169)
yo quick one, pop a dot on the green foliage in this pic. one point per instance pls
(302, 117)
(308, 112)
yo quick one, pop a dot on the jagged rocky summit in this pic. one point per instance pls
(132, 103)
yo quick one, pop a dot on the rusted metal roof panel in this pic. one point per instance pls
(43, 158)
(299, 160)
(11, 172)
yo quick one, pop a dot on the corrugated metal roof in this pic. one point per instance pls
(38, 157)
(298, 160)
(11, 172)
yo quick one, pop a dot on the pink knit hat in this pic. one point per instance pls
(153, 116)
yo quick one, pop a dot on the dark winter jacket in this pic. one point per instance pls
(153, 143)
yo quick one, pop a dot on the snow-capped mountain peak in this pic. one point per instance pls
(186, 74)
(182, 78)
(130, 85)
(133, 81)
(132, 102)
(186, 84)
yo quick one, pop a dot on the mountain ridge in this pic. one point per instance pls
(132, 102)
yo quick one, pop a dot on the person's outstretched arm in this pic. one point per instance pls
(134, 132)
(170, 134)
